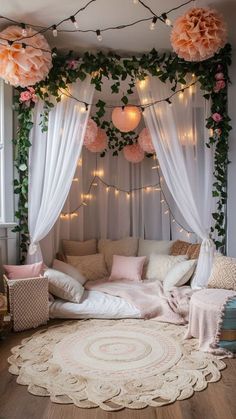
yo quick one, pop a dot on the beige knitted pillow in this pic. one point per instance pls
(223, 274)
(77, 248)
(123, 247)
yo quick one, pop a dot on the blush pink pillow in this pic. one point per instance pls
(24, 271)
(127, 267)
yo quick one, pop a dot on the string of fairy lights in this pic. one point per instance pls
(55, 27)
(142, 107)
(129, 193)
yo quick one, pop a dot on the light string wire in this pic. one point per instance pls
(141, 106)
(54, 27)
(156, 186)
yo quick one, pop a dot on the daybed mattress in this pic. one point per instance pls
(94, 304)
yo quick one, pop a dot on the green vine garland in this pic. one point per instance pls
(67, 69)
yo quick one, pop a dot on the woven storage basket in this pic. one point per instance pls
(28, 300)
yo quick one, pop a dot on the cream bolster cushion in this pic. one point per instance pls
(92, 267)
(68, 270)
(64, 286)
(179, 274)
(79, 248)
(123, 247)
(160, 265)
(127, 267)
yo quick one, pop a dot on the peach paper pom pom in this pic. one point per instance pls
(100, 142)
(198, 34)
(91, 132)
(145, 141)
(133, 153)
(24, 66)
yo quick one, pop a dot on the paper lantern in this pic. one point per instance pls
(90, 133)
(100, 142)
(133, 153)
(24, 66)
(145, 141)
(198, 34)
(126, 119)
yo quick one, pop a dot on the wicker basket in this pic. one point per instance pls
(28, 300)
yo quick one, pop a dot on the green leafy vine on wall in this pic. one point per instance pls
(168, 67)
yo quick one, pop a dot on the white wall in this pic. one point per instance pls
(232, 165)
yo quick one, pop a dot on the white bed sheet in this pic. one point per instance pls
(94, 304)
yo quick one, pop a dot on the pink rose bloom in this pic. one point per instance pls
(216, 117)
(220, 84)
(219, 76)
(72, 64)
(24, 96)
(31, 89)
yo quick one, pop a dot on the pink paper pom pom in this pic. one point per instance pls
(145, 141)
(90, 133)
(198, 34)
(133, 153)
(24, 66)
(100, 142)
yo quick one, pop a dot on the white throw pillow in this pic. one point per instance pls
(92, 267)
(160, 265)
(68, 270)
(179, 274)
(64, 286)
(123, 247)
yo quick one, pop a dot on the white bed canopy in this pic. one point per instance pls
(179, 138)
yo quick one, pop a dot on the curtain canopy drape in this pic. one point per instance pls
(53, 159)
(175, 136)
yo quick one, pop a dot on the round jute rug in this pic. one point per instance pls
(113, 364)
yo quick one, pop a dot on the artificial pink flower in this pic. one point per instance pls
(217, 117)
(219, 76)
(72, 64)
(24, 96)
(220, 84)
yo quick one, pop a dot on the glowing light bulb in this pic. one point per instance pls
(99, 35)
(74, 21)
(153, 23)
(54, 31)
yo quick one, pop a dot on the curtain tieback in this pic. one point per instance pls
(33, 247)
(208, 244)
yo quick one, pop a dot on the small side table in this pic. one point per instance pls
(208, 307)
(28, 301)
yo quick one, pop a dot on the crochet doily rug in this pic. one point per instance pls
(113, 364)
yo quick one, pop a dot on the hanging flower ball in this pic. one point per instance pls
(100, 142)
(90, 133)
(198, 34)
(126, 118)
(24, 66)
(133, 153)
(145, 141)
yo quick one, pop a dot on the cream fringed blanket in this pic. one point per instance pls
(149, 298)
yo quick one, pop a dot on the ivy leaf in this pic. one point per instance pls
(125, 100)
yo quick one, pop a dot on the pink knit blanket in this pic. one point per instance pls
(149, 298)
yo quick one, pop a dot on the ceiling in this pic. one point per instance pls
(104, 13)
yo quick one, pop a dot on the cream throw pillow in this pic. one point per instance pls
(223, 274)
(160, 265)
(160, 247)
(68, 270)
(77, 248)
(64, 286)
(92, 267)
(179, 274)
(124, 247)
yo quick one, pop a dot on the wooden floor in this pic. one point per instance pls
(218, 401)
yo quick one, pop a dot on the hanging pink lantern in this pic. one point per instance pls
(100, 142)
(91, 132)
(127, 118)
(133, 153)
(198, 34)
(24, 66)
(145, 141)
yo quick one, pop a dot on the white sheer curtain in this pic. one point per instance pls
(53, 160)
(185, 161)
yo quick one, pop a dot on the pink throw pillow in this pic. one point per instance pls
(127, 267)
(24, 271)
